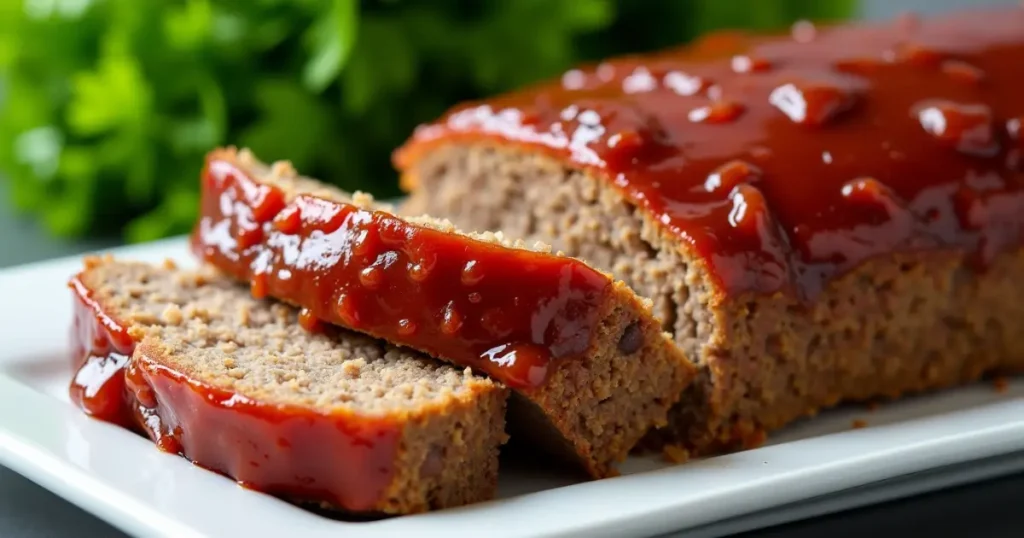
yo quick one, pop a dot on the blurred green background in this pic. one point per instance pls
(108, 106)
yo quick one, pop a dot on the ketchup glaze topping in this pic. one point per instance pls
(100, 349)
(282, 450)
(506, 312)
(784, 161)
(291, 452)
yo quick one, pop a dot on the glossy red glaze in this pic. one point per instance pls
(286, 451)
(100, 347)
(926, 108)
(716, 112)
(506, 312)
(340, 458)
(309, 321)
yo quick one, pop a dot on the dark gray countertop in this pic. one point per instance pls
(988, 509)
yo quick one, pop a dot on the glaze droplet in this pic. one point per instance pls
(627, 139)
(868, 190)
(372, 277)
(717, 112)
(812, 103)
(289, 220)
(731, 174)
(685, 84)
(309, 321)
(258, 286)
(362, 244)
(639, 81)
(452, 321)
(421, 269)
(624, 145)
(472, 273)
(347, 310)
(248, 235)
(406, 327)
(742, 63)
(965, 127)
(393, 233)
(266, 202)
(748, 206)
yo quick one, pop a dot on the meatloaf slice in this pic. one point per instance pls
(821, 221)
(234, 384)
(592, 369)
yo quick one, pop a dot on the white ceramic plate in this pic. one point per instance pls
(822, 463)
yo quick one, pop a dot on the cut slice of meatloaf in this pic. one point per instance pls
(821, 221)
(234, 384)
(591, 368)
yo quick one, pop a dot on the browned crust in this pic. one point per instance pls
(600, 405)
(447, 454)
(905, 323)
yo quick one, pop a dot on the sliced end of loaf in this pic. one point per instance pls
(632, 377)
(203, 339)
(598, 399)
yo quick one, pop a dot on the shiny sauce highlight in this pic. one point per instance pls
(782, 162)
(509, 313)
(100, 349)
(295, 453)
(287, 451)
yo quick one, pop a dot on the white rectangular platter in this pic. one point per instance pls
(122, 478)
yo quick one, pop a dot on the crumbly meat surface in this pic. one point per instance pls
(896, 325)
(596, 407)
(202, 325)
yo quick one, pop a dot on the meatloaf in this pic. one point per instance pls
(826, 216)
(235, 385)
(591, 369)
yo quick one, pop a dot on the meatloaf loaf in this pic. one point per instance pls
(235, 385)
(825, 216)
(591, 368)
